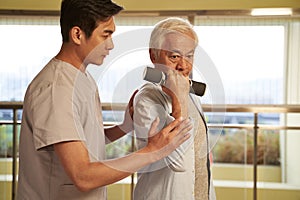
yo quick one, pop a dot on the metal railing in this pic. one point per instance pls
(254, 109)
(14, 106)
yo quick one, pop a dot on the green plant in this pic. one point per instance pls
(119, 148)
(6, 140)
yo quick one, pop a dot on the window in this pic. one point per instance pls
(26, 46)
(242, 52)
(243, 55)
(250, 59)
(247, 54)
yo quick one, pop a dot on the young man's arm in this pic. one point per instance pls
(118, 131)
(87, 175)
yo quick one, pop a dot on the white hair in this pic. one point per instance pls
(167, 26)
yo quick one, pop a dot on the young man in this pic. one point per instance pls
(184, 174)
(62, 142)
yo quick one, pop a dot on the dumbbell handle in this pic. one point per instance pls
(156, 76)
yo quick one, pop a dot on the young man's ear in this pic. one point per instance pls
(76, 35)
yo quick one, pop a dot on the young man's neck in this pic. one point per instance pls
(68, 54)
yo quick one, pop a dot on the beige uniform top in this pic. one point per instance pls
(61, 104)
(184, 174)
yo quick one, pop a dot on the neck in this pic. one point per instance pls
(68, 54)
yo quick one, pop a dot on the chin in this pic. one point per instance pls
(98, 62)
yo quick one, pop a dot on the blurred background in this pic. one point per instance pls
(248, 55)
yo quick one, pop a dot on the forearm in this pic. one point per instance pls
(114, 133)
(118, 131)
(183, 100)
(88, 175)
(179, 103)
(133, 162)
(96, 174)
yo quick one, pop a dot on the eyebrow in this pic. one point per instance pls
(178, 51)
(108, 31)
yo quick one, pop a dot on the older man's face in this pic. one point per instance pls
(177, 53)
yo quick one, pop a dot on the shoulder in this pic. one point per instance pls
(55, 71)
(151, 92)
(56, 79)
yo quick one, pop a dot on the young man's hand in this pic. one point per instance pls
(168, 139)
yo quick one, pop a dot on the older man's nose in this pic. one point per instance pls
(182, 64)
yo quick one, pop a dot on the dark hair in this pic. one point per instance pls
(85, 14)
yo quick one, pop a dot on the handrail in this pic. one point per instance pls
(11, 105)
(257, 108)
(251, 108)
(241, 108)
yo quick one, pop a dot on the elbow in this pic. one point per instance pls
(83, 184)
(84, 180)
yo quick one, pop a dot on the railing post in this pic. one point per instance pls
(132, 176)
(255, 156)
(14, 153)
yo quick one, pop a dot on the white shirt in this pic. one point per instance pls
(61, 104)
(171, 178)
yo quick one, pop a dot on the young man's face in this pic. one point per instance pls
(97, 47)
(177, 53)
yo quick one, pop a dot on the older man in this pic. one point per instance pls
(185, 174)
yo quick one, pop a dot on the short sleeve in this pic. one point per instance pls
(55, 119)
(150, 103)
